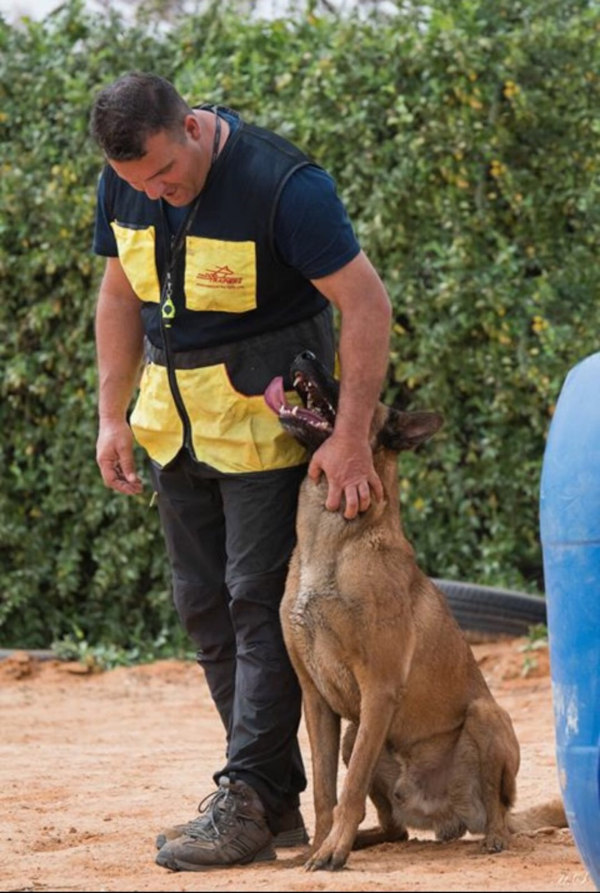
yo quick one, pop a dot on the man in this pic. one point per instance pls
(226, 250)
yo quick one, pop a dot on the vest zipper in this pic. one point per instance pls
(167, 311)
(174, 245)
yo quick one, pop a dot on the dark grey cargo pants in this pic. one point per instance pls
(229, 538)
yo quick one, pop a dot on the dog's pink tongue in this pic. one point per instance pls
(275, 395)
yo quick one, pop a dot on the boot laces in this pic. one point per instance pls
(216, 811)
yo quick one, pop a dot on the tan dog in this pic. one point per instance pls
(373, 641)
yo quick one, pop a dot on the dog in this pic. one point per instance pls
(374, 642)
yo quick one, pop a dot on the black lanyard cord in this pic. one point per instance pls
(167, 308)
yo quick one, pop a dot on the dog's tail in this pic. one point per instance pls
(546, 815)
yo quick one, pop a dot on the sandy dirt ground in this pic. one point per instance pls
(93, 765)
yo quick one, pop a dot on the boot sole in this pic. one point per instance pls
(294, 837)
(267, 854)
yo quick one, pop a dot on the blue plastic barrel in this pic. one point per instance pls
(570, 536)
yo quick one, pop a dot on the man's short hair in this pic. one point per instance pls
(133, 108)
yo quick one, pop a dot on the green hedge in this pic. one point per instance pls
(465, 146)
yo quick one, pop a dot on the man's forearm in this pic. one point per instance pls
(119, 346)
(364, 354)
(361, 298)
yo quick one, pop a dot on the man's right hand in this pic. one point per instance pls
(114, 455)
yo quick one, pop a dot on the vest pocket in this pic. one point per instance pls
(155, 421)
(137, 256)
(220, 275)
(230, 431)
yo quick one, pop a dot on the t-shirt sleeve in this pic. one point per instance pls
(312, 230)
(104, 242)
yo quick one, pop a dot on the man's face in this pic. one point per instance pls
(173, 169)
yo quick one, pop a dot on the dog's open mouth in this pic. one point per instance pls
(316, 412)
(313, 421)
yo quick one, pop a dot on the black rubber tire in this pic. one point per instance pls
(482, 609)
(488, 609)
(36, 654)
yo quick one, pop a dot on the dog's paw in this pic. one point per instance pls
(450, 831)
(494, 843)
(327, 858)
(367, 837)
(326, 864)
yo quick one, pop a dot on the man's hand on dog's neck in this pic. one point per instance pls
(345, 458)
(347, 463)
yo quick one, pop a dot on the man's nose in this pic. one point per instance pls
(154, 190)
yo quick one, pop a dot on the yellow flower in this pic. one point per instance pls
(510, 89)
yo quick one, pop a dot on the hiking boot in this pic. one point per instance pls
(232, 831)
(289, 830)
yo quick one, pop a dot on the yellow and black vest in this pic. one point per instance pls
(240, 314)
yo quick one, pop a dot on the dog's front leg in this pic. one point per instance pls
(323, 727)
(375, 716)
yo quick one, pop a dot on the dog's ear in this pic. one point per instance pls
(406, 430)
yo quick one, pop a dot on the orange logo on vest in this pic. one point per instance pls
(219, 276)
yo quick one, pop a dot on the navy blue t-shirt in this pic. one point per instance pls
(312, 230)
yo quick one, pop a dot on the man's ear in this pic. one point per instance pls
(191, 127)
(406, 430)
